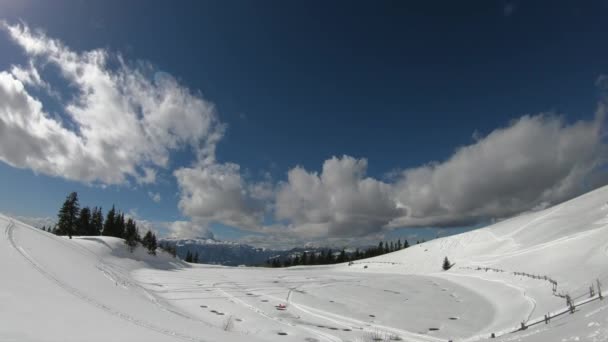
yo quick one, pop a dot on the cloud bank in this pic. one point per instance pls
(121, 122)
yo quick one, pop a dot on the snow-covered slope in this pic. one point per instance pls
(55, 289)
(93, 289)
(508, 261)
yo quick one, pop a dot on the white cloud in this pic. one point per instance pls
(187, 229)
(121, 121)
(535, 161)
(340, 201)
(155, 196)
(217, 192)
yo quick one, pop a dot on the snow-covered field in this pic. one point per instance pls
(93, 289)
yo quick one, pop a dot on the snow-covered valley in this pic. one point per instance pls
(518, 270)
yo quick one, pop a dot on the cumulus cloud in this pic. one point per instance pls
(535, 161)
(218, 192)
(120, 122)
(188, 229)
(341, 201)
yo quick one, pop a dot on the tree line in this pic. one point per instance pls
(328, 256)
(76, 221)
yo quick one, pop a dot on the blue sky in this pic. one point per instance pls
(402, 86)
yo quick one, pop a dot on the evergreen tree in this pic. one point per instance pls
(68, 216)
(188, 256)
(96, 221)
(195, 258)
(392, 248)
(149, 241)
(120, 225)
(83, 226)
(131, 234)
(305, 258)
(296, 260)
(312, 260)
(406, 244)
(342, 257)
(110, 223)
(380, 248)
(329, 257)
(446, 264)
(399, 246)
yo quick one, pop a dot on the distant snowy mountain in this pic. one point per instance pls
(230, 253)
(212, 251)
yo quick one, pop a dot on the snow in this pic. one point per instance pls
(93, 289)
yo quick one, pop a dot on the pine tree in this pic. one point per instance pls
(120, 225)
(446, 264)
(110, 223)
(305, 258)
(195, 258)
(68, 216)
(405, 244)
(329, 257)
(96, 221)
(188, 256)
(149, 241)
(399, 246)
(342, 257)
(131, 234)
(312, 260)
(83, 226)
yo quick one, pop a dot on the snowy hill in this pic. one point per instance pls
(518, 270)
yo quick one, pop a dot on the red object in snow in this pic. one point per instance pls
(281, 307)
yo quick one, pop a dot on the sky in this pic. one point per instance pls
(287, 123)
